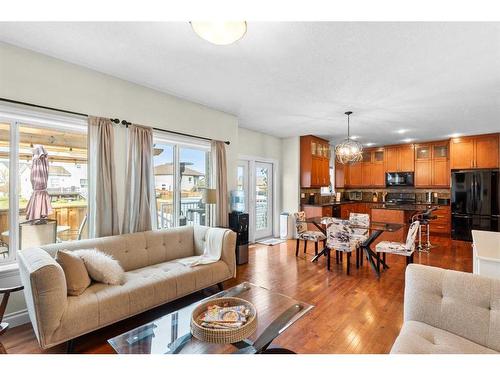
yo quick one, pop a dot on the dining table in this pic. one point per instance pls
(375, 230)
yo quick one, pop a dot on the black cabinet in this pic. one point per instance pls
(238, 222)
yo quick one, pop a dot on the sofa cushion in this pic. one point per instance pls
(138, 250)
(75, 272)
(142, 290)
(420, 338)
(102, 267)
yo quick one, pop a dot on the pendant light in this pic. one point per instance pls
(349, 151)
(220, 33)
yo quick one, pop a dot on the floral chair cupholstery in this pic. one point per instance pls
(340, 238)
(306, 235)
(399, 248)
(360, 224)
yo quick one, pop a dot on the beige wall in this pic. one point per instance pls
(251, 143)
(34, 78)
(290, 177)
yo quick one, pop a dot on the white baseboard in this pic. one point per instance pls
(17, 318)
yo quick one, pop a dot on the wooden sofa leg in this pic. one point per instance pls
(220, 286)
(316, 248)
(305, 246)
(348, 258)
(70, 346)
(297, 248)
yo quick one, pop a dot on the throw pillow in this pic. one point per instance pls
(102, 267)
(77, 277)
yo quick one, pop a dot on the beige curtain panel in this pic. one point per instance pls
(101, 146)
(139, 183)
(219, 155)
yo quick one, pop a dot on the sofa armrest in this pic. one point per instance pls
(229, 251)
(45, 291)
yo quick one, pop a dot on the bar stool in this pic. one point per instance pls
(425, 219)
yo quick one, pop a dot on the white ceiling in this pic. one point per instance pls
(427, 79)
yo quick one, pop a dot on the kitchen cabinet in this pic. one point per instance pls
(314, 162)
(339, 175)
(399, 158)
(369, 172)
(354, 175)
(474, 152)
(432, 165)
(442, 224)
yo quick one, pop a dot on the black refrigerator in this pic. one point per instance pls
(475, 202)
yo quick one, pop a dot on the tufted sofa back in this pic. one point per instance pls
(461, 303)
(137, 250)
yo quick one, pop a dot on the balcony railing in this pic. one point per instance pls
(192, 212)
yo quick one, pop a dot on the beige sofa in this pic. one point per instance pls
(449, 312)
(152, 278)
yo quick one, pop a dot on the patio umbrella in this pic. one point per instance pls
(39, 204)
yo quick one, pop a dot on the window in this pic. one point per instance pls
(66, 146)
(182, 172)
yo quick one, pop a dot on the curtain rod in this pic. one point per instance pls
(126, 123)
(115, 120)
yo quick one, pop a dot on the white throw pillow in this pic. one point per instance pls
(102, 267)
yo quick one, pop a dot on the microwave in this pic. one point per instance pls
(399, 179)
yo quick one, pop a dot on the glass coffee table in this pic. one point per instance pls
(171, 333)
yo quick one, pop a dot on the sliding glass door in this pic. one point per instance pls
(182, 173)
(58, 190)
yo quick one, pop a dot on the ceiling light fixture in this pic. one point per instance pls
(401, 131)
(220, 33)
(408, 140)
(349, 151)
(369, 144)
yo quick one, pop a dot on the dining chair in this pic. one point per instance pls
(339, 238)
(306, 235)
(360, 224)
(399, 248)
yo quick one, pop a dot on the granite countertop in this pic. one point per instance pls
(405, 207)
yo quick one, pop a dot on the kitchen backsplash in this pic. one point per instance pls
(367, 194)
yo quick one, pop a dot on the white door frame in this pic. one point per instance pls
(250, 196)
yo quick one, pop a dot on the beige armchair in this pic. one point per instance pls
(449, 312)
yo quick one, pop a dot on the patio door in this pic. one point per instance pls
(263, 199)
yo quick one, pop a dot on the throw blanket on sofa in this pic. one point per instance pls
(212, 251)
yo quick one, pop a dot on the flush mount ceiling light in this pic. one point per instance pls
(220, 33)
(349, 151)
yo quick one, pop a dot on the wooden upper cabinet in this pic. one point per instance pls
(423, 173)
(355, 175)
(391, 159)
(400, 158)
(406, 158)
(314, 162)
(431, 165)
(462, 153)
(367, 173)
(486, 152)
(474, 152)
(339, 175)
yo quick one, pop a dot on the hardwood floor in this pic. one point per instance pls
(353, 314)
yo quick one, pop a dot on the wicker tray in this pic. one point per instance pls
(223, 336)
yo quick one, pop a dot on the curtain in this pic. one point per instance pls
(102, 198)
(219, 155)
(139, 182)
